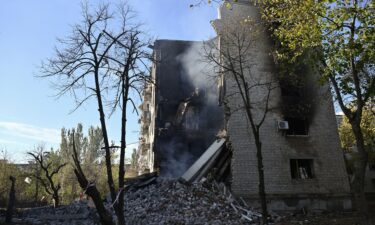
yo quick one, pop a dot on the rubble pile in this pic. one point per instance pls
(172, 202)
(154, 200)
(77, 213)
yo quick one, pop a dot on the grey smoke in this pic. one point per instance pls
(178, 158)
(198, 73)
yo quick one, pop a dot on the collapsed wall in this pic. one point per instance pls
(182, 107)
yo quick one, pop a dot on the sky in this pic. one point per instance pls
(30, 113)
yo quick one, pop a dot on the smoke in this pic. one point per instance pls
(200, 72)
(177, 158)
(202, 120)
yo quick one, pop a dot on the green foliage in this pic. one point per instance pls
(341, 34)
(25, 193)
(368, 128)
(295, 25)
(6, 169)
(91, 156)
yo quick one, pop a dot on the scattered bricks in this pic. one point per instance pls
(171, 202)
(165, 201)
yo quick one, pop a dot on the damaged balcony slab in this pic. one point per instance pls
(201, 167)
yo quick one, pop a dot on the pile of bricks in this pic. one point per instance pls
(173, 202)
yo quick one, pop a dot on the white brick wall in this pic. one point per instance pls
(321, 145)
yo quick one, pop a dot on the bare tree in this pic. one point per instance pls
(130, 75)
(48, 170)
(108, 64)
(89, 187)
(234, 59)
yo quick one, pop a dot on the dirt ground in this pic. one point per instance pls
(338, 218)
(349, 218)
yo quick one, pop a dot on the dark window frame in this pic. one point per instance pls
(302, 169)
(297, 127)
(371, 166)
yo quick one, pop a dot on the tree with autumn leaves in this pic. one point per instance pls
(339, 38)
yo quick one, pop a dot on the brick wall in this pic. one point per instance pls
(321, 144)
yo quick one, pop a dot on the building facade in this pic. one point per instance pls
(303, 163)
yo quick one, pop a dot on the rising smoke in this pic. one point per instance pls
(200, 72)
(180, 152)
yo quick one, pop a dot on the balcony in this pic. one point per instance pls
(147, 97)
(145, 148)
(144, 130)
(146, 117)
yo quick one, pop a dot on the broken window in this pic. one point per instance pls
(301, 168)
(371, 165)
(297, 126)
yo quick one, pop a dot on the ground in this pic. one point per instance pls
(338, 218)
(152, 200)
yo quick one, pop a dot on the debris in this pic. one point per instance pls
(77, 213)
(154, 200)
(171, 202)
(245, 217)
(28, 180)
(202, 166)
(140, 181)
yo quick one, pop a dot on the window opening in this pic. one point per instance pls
(301, 168)
(297, 126)
(371, 165)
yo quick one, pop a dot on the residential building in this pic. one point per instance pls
(303, 162)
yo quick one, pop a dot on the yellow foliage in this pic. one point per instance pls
(368, 128)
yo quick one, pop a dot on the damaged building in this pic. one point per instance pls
(180, 114)
(303, 163)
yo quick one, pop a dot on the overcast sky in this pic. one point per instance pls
(29, 114)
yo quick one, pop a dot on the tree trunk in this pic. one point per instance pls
(262, 192)
(121, 182)
(360, 173)
(56, 200)
(105, 138)
(37, 173)
(91, 190)
(74, 190)
(11, 201)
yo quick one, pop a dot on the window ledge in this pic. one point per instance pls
(300, 180)
(297, 136)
